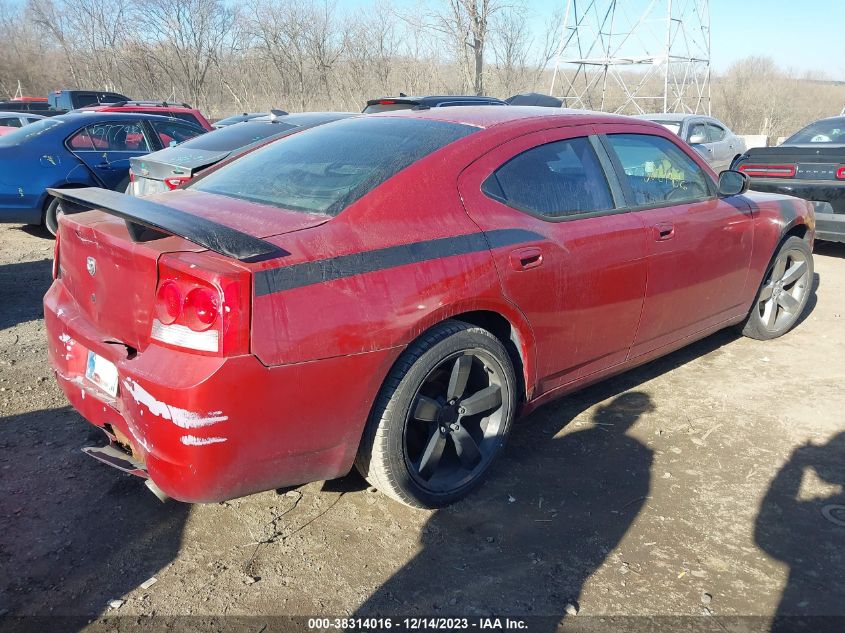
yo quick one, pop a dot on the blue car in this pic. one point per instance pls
(78, 149)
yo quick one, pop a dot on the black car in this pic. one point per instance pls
(404, 102)
(173, 166)
(810, 164)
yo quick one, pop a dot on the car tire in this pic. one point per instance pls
(784, 293)
(51, 216)
(437, 403)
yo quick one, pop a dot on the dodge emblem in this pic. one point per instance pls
(91, 265)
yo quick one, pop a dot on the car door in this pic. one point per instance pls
(579, 274)
(721, 143)
(697, 137)
(106, 148)
(699, 244)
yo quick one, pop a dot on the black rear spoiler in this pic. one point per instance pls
(143, 214)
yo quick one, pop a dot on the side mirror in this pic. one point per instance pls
(732, 183)
(697, 139)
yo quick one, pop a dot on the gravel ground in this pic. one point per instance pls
(700, 483)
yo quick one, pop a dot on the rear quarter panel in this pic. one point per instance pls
(776, 216)
(396, 262)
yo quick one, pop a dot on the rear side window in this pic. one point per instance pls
(238, 135)
(553, 180)
(110, 137)
(327, 168)
(657, 171)
(10, 122)
(171, 132)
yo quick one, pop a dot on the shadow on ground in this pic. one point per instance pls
(21, 301)
(802, 524)
(554, 508)
(76, 534)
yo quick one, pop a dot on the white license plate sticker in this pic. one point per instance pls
(102, 373)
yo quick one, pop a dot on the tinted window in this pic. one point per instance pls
(238, 135)
(12, 121)
(658, 171)
(30, 131)
(327, 168)
(826, 131)
(185, 116)
(110, 137)
(715, 133)
(554, 180)
(388, 107)
(174, 132)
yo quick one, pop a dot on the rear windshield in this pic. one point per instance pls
(236, 136)
(829, 131)
(387, 107)
(672, 126)
(327, 168)
(27, 132)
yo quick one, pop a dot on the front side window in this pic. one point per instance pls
(171, 132)
(327, 168)
(657, 171)
(697, 131)
(110, 137)
(554, 180)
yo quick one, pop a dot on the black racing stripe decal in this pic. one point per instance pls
(320, 271)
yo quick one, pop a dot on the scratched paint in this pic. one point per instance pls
(192, 440)
(180, 417)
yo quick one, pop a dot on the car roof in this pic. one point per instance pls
(92, 115)
(23, 113)
(434, 99)
(676, 116)
(486, 117)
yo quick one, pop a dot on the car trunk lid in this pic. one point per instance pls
(109, 261)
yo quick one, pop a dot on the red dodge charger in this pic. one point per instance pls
(392, 291)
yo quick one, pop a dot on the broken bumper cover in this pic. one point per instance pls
(205, 428)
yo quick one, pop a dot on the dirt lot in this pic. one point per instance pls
(706, 472)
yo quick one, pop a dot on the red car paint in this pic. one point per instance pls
(191, 115)
(585, 299)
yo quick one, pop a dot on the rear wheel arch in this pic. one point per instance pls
(46, 210)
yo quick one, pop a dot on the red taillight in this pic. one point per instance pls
(386, 102)
(203, 304)
(768, 171)
(168, 302)
(201, 308)
(840, 173)
(176, 181)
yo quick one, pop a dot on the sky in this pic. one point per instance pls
(802, 35)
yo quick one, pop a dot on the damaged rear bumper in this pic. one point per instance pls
(205, 428)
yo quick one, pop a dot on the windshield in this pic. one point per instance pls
(235, 136)
(327, 168)
(28, 132)
(672, 126)
(829, 131)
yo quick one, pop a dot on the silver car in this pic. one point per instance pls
(18, 119)
(708, 136)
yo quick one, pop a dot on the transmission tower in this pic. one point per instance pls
(634, 56)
